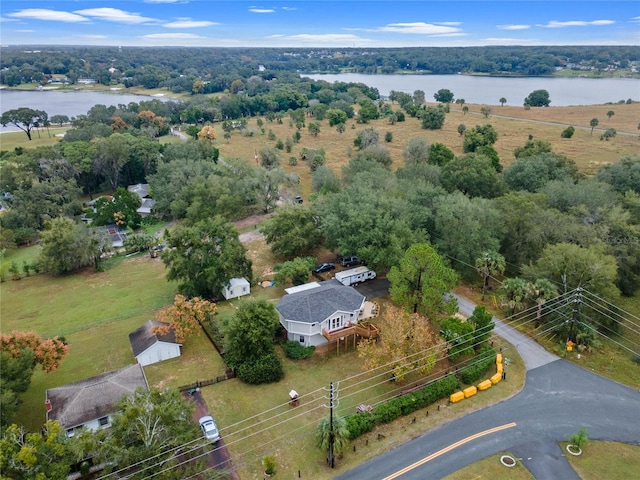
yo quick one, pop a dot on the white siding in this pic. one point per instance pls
(158, 352)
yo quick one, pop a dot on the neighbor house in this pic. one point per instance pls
(318, 313)
(150, 347)
(90, 403)
(237, 287)
(143, 191)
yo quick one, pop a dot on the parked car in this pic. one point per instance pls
(209, 428)
(324, 267)
(349, 261)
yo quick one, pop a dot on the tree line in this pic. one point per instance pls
(176, 68)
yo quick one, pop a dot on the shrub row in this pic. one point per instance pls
(296, 351)
(479, 365)
(396, 407)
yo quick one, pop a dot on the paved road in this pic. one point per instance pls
(558, 398)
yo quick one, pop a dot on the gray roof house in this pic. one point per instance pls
(149, 347)
(90, 403)
(142, 189)
(317, 313)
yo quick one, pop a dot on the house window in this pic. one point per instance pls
(301, 338)
(103, 422)
(336, 323)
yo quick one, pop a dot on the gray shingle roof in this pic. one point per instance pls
(143, 338)
(80, 402)
(317, 304)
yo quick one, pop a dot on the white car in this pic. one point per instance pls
(209, 428)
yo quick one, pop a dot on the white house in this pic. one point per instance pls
(311, 315)
(237, 287)
(149, 347)
(90, 403)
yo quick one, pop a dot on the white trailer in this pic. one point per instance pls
(355, 276)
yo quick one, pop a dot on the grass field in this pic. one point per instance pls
(588, 151)
(610, 460)
(490, 468)
(95, 312)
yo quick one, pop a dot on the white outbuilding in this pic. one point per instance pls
(150, 347)
(237, 287)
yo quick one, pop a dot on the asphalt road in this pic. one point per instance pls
(558, 399)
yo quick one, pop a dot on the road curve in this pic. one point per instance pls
(558, 399)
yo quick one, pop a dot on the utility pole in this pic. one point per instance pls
(574, 314)
(331, 437)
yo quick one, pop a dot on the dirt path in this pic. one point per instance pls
(251, 221)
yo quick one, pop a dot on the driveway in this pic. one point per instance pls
(218, 457)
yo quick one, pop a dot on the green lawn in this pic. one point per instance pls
(490, 468)
(610, 460)
(95, 312)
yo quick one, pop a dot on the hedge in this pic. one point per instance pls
(485, 358)
(396, 407)
(297, 351)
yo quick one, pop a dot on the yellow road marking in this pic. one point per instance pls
(448, 449)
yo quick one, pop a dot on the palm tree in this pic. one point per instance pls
(340, 435)
(502, 101)
(514, 293)
(539, 292)
(594, 123)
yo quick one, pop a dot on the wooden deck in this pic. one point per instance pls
(366, 330)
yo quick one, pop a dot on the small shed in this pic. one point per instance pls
(237, 287)
(149, 347)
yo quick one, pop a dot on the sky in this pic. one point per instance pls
(319, 23)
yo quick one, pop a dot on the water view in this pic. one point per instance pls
(489, 90)
(70, 104)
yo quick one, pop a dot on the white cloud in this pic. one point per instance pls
(513, 27)
(328, 39)
(576, 23)
(289, 9)
(172, 36)
(91, 37)
(275, 36)
(46, 14)
(115, 15)
(420, 28)
(188, 23)
(507, 41)
(165, 1)
(261, 10)
(25, 31)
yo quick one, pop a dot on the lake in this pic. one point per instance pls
(71, 104)
(489, 90)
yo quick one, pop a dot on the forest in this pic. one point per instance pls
(176, 68)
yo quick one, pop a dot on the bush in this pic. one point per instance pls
(296, 351)
(388, 411)
(267, 369)
(478, 367)
(359, 424)
(293, 161)
(568, 132)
